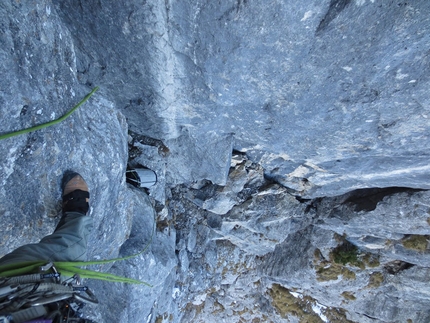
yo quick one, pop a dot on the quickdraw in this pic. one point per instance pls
(45, 297)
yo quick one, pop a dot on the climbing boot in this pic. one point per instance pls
(75, 193)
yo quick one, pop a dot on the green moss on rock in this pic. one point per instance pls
(346, 253)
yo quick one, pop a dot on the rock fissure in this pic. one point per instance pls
(290, 144)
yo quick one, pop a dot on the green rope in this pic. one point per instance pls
(50, 123)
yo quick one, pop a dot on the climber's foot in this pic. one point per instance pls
(75, 193)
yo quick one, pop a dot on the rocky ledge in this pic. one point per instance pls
(290, 142)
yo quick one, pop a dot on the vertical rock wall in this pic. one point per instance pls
(328, 95)
(319, 214)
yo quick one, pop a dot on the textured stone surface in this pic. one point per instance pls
(285, 136)
(39, 83)
(133, 303)
(272, 239)
(328, 96)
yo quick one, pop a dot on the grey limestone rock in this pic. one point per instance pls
(273, 250)
(290, 142)
(329, 96)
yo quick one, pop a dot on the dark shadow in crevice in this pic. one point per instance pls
(335, 8)
(302, 200)
(367, 199)
(396, 266)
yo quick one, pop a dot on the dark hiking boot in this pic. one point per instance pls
(75, 193)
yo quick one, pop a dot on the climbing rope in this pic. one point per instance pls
(50, 123)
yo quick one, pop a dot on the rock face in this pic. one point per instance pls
(328, 96)
(272, 257)
(290, 141)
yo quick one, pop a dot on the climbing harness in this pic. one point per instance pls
(45, 297)
(24, 297)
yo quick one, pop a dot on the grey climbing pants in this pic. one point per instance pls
(67, 243)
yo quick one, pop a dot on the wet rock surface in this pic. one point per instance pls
(290, 143)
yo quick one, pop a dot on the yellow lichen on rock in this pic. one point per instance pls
(333, 271)
(288, 305)
(303, 307)
(349, 296)
(375, 280)
(416, 242)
